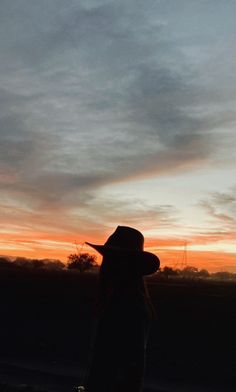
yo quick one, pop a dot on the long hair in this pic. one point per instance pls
(117, 277)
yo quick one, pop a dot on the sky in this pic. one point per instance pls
(119, 113)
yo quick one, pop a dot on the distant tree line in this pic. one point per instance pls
(83, 262)
(193, 272)
(33, 264)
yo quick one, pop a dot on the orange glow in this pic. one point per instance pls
(193, 240)
(170, 250)
(210, 260)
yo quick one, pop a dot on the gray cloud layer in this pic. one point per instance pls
(96, 92)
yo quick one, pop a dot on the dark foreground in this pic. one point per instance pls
(46, 327)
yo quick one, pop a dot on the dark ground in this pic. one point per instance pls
(46, 326)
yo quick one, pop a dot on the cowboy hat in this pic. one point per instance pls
(130, 242)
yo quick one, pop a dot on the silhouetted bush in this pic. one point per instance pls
(53, 265)
(22, 262)
(36, 264)
(168, 271)
(81, 262)
(203, 273)
(5, 262)
(189, 271)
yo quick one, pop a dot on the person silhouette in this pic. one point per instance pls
(124, 313)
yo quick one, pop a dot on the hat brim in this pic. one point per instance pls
(148, 262)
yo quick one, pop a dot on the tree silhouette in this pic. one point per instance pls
(36, 264)
(82, 262)
(190, 271)
(203, 273)
(169, 271)
(5, 262)
(53, 265)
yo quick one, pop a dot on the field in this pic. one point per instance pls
(46, 327)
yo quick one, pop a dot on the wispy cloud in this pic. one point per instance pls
(222, 207)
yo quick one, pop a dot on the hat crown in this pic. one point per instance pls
(126, 238)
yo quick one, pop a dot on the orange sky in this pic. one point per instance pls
(172, 252)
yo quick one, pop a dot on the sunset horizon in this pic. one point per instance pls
(116, 113)
(177, 253)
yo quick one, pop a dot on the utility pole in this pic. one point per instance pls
(184, 260)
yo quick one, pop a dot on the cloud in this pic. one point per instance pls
(96, 93)
(222, 207)
(92, 216)
(122, 92)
